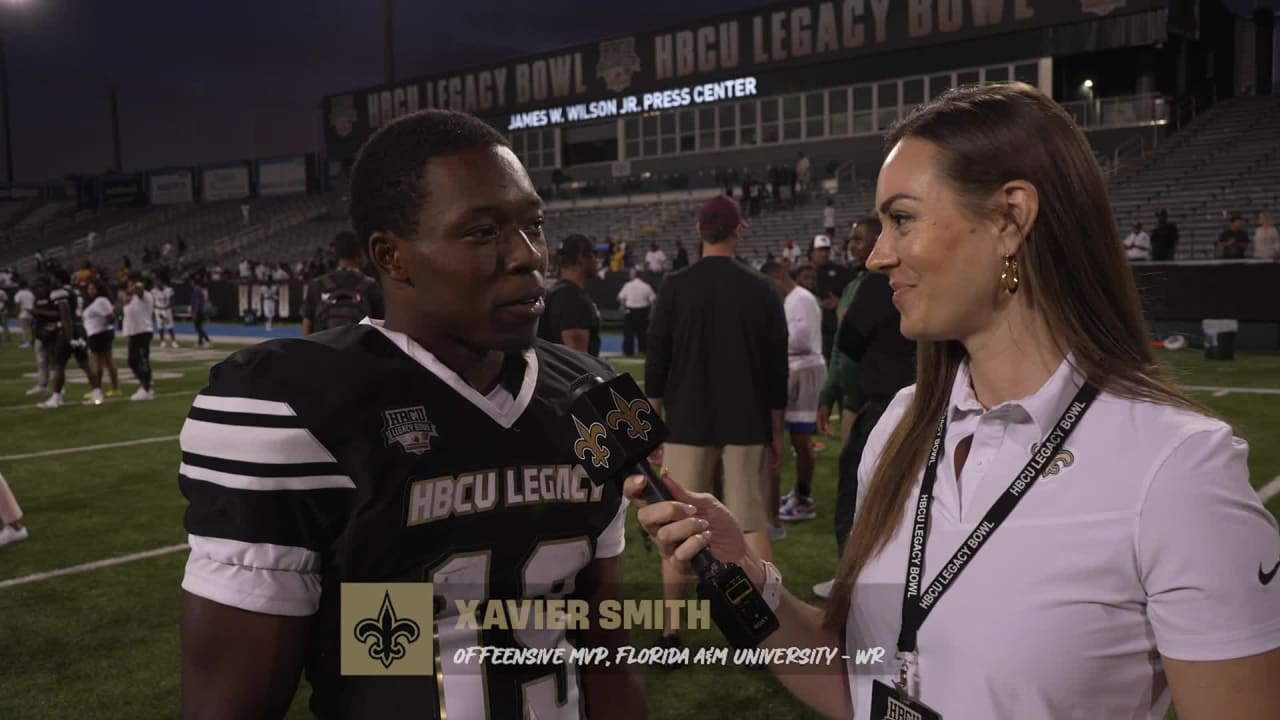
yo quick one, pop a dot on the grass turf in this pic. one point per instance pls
(104, 643)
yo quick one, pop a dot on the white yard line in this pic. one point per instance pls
(69, 403)
(1270, 490)
(1219, 391)
(89, 448)
(86, 567)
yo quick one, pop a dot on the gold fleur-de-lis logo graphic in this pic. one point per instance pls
(629, 414)
(589, 438)
(387, 632)
(1062, 460)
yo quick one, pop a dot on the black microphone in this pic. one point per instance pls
(614, 429)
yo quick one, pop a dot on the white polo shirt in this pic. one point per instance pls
(1147, 540)
(636, 295)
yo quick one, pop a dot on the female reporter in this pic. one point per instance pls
(1090, 544)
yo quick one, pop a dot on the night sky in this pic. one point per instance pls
(206, 82)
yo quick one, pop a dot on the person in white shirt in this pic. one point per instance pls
(829, 218)
(1069, 533)
(25, 300)
(138, 308)
(807, 374)
(790, 253)
(162, 300)
(1266, 239)
(99, 329)
(635, 298)
(246, 278)
(280, 279)
(655, 261)
(1137, 246)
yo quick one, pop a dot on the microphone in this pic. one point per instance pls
(614, 429)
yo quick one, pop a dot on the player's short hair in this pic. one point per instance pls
(387, 189)
(346, 246)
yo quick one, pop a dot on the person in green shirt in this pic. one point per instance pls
(841, 387)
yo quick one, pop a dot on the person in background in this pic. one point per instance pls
(655, 261)
(1266, 239)
(617, 256)
(635, 298)
(270, 295)
(829, 218)
(801, 183)
(162, 299)
(717, 365)
(831, 281)
(1234, 241)
(344, 296)
(99, 328)
(841, 387)
(806, 374)
(139, 307)
(790, 254)
(59, 314)
(198, 302)
(1164, 238)
(1137, 246)
(280, 279)
(682, 257)
(24, 299)
(11, 528)
(571, 317)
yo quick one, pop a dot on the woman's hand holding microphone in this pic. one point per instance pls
(690, 522)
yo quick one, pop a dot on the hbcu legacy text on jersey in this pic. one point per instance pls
(355, 456)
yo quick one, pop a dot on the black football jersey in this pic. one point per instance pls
(352, 455)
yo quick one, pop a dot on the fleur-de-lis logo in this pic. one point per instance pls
(388, 633)
(589, 438)
(628, 413)
(1062, 460)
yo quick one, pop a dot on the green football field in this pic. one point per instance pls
(98, 485)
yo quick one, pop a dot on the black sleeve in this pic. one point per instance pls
(872, 306)
(775, 357)
(657, 361)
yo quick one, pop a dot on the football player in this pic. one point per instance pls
(59, 315)
(422, 448)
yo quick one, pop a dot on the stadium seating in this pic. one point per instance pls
(1226, 162)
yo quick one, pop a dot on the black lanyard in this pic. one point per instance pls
(916, 606)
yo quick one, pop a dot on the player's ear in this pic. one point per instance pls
(384, 250)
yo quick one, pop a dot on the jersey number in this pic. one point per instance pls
(548, 573)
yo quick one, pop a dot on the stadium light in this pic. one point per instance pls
(1088, 84)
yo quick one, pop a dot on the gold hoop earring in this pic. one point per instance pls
(1009, 278)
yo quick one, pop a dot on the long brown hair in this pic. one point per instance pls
(1072, 270)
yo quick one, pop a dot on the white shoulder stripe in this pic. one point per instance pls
(258, 577)
(248, 482)
(253, 444)
(243, 405)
